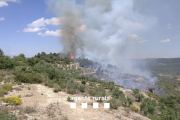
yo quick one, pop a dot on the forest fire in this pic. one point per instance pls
(72, 56)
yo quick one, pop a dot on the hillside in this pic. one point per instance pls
(42, 86)
(167, 70)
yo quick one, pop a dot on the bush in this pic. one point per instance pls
(100, 91)
(135, 91)
(3, 92)
(151, 109)
(6, 62)
(7, 87)
(19, 96)
(148, 106)
(46, 84)
(83, 82)
(29, 110)
(4, 115)
(1, 79)
(69, 99)
(91, 84)
(12, 100)
(113, 103)
(71, 91)
(82, 88)
(139, 97)
(134, 108)
(19, 82)
(117, 93)
(56, 90)
(19, 70)
(130, 101)
(123, 101)
(92, 92)
(50, 85)
(31, 61)
(28, 78)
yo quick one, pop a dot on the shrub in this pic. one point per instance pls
(139, 97)
(50, 85)
(92, 92)
(29, 88)
(135, 91)
(91, 84)
(69, 99)
(19, 70)
(17, 89)
(148, 106)
(29, 110)
(28, 78)
(100, 91)
(46, 84)
(19, 83)
(63, 85)
(151, 109)
(71, 91)
(130, 101)
(31, 61)
(7, 87)
(83, 82)
(59, 89)
(56, 90)
(123, 101)
(1, 79)
(4, 115)
(19, 96)
(3, 92)
(6, 62)
(134, 108)
(113, 103)
(12, 100)
(117, 93)
(82, 88)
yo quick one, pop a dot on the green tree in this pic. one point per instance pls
(1, 53)
(83, 82)
(6, 62)
(130, 101)
(139, 97)
(117, 93)
(31, 61)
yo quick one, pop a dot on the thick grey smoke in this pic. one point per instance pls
(71, 24)
(109, 26)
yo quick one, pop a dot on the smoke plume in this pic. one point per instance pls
(99, 29)
(71, 24)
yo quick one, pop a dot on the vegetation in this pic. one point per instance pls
(113, 103)
(7, 87)
(3, 92)
(4, 115)
(28, 78)
(134, 108)
(69, 99)
(83, 82)
(5, 61)
(12, 100)
(138, 95)
(59, 74)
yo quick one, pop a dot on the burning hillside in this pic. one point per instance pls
(112, 73)
(104, 32)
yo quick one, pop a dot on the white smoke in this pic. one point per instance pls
(108, 23)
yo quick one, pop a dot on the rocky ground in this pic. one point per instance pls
(40, 102)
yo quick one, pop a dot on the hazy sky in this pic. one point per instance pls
(26, 26)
